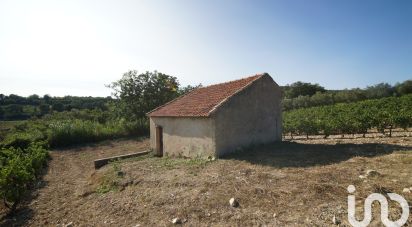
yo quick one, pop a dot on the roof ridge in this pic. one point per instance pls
(238, 85)
(236, 92)
(231, 81)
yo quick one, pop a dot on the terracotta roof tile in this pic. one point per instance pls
(202, 101)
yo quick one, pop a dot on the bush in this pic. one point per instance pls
(19, 168)
(23, 140)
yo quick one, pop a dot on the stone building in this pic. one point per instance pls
(218, 119)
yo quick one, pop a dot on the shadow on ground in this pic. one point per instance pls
(20, 218)
(292, 154)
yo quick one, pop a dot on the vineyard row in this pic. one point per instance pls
(350, 118)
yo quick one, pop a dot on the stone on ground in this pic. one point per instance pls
(335, 220)
(177, 221)
(372, 173)
(233, 202)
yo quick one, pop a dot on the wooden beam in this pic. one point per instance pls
(104, 161)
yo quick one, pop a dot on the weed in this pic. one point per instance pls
(172, 163)
(106, 187)
(116, 166)
(108, 184)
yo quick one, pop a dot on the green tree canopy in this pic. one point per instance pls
(302, 89)
(138, 94)
(379, 90)
(404, 88)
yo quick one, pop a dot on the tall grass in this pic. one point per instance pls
(70, 132)
(58, 130)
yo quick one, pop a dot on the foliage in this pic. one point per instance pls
(110, 181)
(23, 139)
(302, 89)
(19, 168)
(23, 150)
(14, 107)
(64, 121)
(351, 118)
(296, 97)
(141, 93)
(64, 133)
(72, 127)
(188, 88)
(379, 91)
(404, 88)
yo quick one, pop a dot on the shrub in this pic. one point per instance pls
(14, 180)
(23, 140)
(19, 168)
(38, 157)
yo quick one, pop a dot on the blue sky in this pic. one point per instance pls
(75, 47)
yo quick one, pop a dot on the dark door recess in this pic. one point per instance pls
(159, 141)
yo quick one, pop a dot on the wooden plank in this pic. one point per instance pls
(104, 161)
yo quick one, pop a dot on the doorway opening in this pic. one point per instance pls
(159, 141)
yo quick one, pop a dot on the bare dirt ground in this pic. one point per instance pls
(294, 183)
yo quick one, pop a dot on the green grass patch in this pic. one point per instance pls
(171, 163)
(110, 181)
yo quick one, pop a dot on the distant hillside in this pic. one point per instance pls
(14, 107)
(301, 95)
(296, 95)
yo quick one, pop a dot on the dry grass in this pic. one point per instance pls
(303, 183)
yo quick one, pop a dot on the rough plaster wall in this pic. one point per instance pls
(188, 137)
(253, 116)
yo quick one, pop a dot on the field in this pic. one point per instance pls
(294, 183)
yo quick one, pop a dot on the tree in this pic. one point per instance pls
(44, 109)
(404, 88)
(59, 107)
(302, 89)
(320, 99)
(379, 91)
(47, 98)
(188, 88)
(138, 94)
(301, 101)
(14, 99)
(14, 112)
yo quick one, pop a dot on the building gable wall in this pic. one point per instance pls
(253, 116)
